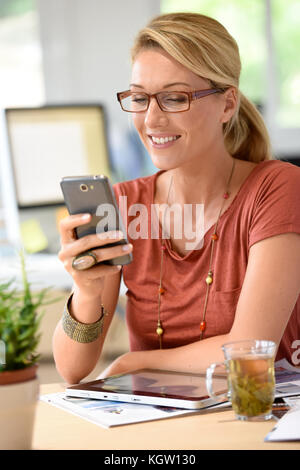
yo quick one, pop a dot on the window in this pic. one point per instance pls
(21, 78)
(286, 37)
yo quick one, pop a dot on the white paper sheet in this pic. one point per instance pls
(287, 428)
(110, 413)
(107, 413)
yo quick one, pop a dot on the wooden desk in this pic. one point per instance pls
(58, 429)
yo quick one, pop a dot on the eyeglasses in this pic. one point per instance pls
(168, 101)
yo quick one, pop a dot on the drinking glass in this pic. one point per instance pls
(250, 375)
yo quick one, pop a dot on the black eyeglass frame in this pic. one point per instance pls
(192, 95)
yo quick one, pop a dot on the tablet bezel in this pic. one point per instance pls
(87, 390)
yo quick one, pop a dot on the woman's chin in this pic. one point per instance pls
(163, 162)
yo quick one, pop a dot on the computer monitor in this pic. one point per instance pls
(49, 142)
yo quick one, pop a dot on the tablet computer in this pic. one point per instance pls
(152, 387)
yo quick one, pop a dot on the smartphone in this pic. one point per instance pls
(93, 194)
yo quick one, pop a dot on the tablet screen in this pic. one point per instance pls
(156, 383)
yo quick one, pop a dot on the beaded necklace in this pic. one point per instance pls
(209, 279)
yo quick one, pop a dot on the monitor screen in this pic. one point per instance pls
(50, 142)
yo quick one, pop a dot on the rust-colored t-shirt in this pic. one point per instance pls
(267, 204)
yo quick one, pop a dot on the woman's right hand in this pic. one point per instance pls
(90, 281)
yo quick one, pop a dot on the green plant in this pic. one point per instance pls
(20, 318)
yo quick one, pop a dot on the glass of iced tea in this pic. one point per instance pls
(251, 379)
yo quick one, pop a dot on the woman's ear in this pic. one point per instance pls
(230, 104)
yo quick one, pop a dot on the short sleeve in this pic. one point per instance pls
(117, 187)
(277, 204)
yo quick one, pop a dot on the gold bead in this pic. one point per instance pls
(159, 331)
(209, 279)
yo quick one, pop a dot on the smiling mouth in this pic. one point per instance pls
(163, 140)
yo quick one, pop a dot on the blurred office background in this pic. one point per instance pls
(66, 52)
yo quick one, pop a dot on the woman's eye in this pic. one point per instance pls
(138, 99)
(176, 99)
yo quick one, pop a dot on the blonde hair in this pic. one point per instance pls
(206, 48)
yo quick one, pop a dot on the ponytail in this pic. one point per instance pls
(246, 136)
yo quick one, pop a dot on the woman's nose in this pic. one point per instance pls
(154, 115)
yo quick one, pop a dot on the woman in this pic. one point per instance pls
(212, 149)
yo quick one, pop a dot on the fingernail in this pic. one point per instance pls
(127, 247)
(86, 216)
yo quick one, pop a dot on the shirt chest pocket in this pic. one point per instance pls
(223, 310)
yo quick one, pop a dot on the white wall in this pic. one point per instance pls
(86, 48)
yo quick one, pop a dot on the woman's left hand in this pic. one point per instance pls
(125, 363)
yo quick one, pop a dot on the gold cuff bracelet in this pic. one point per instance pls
(81, 332)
